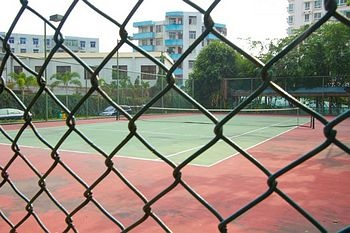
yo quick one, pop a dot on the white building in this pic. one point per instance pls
(304, 12)
(131, 64)
(174, 35)
(26, 43)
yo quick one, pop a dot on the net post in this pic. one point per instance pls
(298, 114)
(312, 122)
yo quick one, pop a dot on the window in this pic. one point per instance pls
(120, 72)
(341, 2)
(37, 69)
(290, 19)
(23, 50)
(317, 15)
(35, 50)
(171, 50)
(159, 28)
(172, 20)
(222, 30)
(35, 41)
(48, 42)
(306, 17)
(172, 35)
(143, 29)
(318, 4)
(192, 34)
(82, 44)
(22, 40)
(93, 44)
(143, 42)
(307, 6)
(192, 20)
(159, 42)
(18, 69)
(63, 69)
(71, 43)
(148, 72)
(87, 74)
(290, 7)
(11, 40)
(190, 64)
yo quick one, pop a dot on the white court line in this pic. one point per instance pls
(259, 143)
(84, 152)
(235, 136)
(180, 152)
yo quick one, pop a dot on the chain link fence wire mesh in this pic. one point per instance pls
(330, 134)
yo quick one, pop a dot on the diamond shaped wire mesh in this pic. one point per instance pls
(28, 201)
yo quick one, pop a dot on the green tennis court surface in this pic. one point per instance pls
(175, 136)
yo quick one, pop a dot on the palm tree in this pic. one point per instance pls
(66, 79)
(23, 81)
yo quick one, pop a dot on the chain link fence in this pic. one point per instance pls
(266, 82)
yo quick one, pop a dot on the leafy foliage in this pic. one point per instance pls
(325, 53)
(23, 81)
(215, 63)
(66, 79)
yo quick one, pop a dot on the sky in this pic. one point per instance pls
(255, 19)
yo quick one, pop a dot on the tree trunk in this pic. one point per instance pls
(22, 90)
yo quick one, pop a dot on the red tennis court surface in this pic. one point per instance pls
(321, 186)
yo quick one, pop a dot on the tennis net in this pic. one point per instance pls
(280, 117)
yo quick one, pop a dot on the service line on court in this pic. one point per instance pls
(255, 145)
(232, 137)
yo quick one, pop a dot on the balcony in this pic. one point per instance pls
(175, 56)
(173, 42)
(211, 37)
(174, 14)
(143, 35)
(143, 23)
(178, 71)
(219, 25)
(148, 48)
(174, 27)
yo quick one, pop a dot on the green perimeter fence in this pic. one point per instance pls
(319, 95)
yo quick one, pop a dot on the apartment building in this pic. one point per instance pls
(26, 43)
(303, 12)
(174, 35)
(124, 64)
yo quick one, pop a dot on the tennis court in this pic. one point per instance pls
(95, 187)
(176, 134)
(168, 170)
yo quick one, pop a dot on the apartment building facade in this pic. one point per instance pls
(133, 65)
(174, 35)
(27, 43)
(304, 12)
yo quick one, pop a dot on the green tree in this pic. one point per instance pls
(326, 52)
(66, 79)
(23, 81)
(216, 63)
